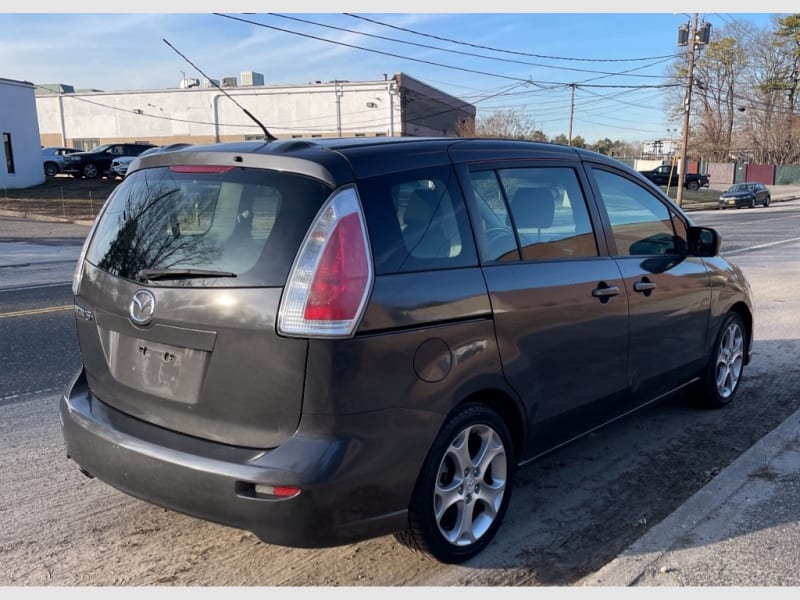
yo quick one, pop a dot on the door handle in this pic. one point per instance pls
(644, 286)
(604, 291)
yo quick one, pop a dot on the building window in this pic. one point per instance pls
(316, 135)
(86, 144)
(361, 135)
(9, 153)
(254, 138)
(296, 135)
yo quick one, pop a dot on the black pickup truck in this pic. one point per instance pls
(668, 175)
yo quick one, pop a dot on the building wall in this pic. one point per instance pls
(18, 119)
(202, 115)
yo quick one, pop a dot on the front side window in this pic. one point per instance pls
(244, 224)
(534, 213)
(641, 223)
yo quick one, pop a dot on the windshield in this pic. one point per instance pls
(100, 148)
(741, 187)
(232, 227)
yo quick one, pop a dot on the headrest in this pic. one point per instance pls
(421, 206)
(533, 207)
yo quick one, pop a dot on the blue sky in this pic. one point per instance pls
(505, 60)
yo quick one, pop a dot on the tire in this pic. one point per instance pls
(50, 169)
(723, 374)
(90, 171)
(753, 202)
(464, 487)
(767, 201)
(693, 186)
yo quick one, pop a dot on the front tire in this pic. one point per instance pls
(50, 169)
(90, 171)
(464, 487)
(722, 376)
(767, 201)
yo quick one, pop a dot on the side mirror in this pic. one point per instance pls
(704, 241)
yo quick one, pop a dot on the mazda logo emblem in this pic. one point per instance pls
(142, 308)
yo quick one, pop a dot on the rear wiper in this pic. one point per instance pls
(154, 274)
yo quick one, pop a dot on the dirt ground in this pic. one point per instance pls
(62, 197)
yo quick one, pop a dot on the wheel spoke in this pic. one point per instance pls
(470, 485)
(730, 359)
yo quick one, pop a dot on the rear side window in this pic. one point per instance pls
(641, 224)
(246, 223)
(417, 221)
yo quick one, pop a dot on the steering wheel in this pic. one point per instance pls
(499, 240)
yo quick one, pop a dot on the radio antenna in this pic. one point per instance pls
(267, 135)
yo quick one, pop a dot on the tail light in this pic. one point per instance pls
(332, 274)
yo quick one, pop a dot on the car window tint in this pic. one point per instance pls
(546, 213)
(641, 224)
(417, 221)
(495, 236)
(249, 222)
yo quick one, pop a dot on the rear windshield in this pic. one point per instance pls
(243, 226)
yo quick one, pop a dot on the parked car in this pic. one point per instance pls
(667, 175)
(119, 166)
(97, 162)
(53, 159)
(331, 340)
(749, 194)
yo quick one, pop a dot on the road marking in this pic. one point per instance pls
(760, 246)
(35, 287)
(36, 311)
(22, 395)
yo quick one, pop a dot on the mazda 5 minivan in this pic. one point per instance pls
(331, 340)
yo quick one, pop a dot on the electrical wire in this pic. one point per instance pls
(506, 51)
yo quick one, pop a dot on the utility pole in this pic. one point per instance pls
(571, 112)
(687, 102)
(692, 37)
(337, 88)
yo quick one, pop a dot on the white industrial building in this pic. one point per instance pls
(393, 106)
(20, 150)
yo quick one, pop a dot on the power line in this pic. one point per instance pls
(505, 51)
(433, 63)
(483, 56)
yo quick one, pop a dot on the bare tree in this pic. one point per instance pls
(511, 123)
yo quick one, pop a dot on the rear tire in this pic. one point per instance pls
(723, 374)
(464, 487)
(693, 186)
(50, 169)
(767, 201)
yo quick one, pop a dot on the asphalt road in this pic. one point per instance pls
(572, 512)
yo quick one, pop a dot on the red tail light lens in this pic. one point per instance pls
(341, 276)
(329, 283)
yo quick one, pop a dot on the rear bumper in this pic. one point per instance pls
(351, 488)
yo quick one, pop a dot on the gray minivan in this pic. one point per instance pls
(330, 340)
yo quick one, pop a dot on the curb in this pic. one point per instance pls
(678, 530)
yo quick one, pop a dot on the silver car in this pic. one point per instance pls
(53, 159)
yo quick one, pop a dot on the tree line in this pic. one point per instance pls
(744, 105)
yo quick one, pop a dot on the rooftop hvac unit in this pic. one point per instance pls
(229, 82)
